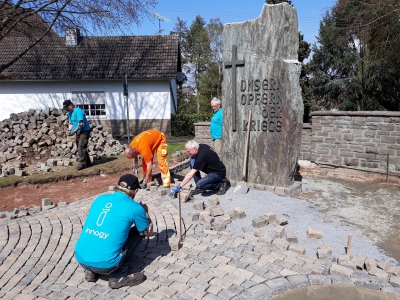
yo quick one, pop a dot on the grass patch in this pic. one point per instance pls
(173, 147)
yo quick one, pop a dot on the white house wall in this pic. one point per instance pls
(148, 99)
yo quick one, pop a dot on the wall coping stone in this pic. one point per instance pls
(357, 113)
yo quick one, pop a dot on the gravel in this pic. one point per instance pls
(301, 214)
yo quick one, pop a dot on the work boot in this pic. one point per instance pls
(90, 276)
(196, 191)
(130, 280)
(80, 167)
(222, 188)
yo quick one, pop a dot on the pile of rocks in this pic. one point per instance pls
(40, 137)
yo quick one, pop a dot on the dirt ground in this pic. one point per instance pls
(358, 198)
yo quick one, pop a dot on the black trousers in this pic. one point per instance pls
(82, 140)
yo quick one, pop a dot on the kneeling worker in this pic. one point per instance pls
(203, 158)
(108, 240)
(145, 144)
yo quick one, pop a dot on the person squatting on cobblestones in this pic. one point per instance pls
(108, 240)
(203, 158)
(145, 144)
(79, 125)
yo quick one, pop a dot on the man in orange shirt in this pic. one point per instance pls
(145, 144)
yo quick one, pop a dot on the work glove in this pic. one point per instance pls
(175, 190)
(143, 183)
(72, 132)
(135, 171)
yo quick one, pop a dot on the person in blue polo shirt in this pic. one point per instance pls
(79, 125)
(216, 125)
(109, 240)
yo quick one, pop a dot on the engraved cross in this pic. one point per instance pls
(233, 64)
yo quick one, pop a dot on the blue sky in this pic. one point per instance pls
(309, 13)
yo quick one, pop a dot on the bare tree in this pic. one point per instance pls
(37, 19)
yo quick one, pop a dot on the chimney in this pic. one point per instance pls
(72, 37)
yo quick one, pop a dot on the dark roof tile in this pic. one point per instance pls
(140, 57)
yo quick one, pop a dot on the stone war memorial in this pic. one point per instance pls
(261, 75)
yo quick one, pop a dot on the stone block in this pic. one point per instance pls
(213, 201)
(324, 252)
(359, 261)
(378, 273)
(293, 189)
(185, 196)
(395, 281)
(198, 205)
(384, 265)
(260, 222)
(51, 163)
(345, 261)
(370, 263)
(20, 173)
(340, 270)
(281, 220)
(279, 190)
(297, 249)
(218, 225)
(271, 217)
(111, 188)
(193, 216)
(216, 211)
(281, 243)
(260, 232)
(205, 219)
(47, 207)
(394, 270)
(314, 233)
(239, 212)
(280, 231)
(291, 237)
(174, 243)
(46, 201)
(163, 192)
(153, 188)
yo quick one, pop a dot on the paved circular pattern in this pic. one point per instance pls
(37, 261)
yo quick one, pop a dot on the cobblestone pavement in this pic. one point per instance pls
(37, 261)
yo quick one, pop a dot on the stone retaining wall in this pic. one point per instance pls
(364, 140)
(202, 132)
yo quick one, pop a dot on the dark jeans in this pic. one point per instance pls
(211, 181)
(128, 251)
(82, 140)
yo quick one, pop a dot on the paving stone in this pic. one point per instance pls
(359, 261)
(259, 222)
(395, 281)
(281, 220)
(260, 291)
(384, 265)
(166, 291)
(318, 279)
(281, 243)
(154, 296)
(179, 287)
(297, 249)
(287, 272)
(378, 273)
(298, 280)
(314, 233)
(239, 213)
(324, 252)
(195, 292)
(370, 263)
(226, 294)
(340, 270)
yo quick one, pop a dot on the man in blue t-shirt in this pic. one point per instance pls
(79, 125)
(108, 237)
(216, 125)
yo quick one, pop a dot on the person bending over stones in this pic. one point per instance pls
(108, 240)
(145, 144)
(79, 125)
(203, 158)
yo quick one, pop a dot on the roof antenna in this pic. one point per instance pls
(160, 18)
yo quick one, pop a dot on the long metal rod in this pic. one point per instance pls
(180, 217)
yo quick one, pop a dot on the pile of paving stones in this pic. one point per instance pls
(40, 137)
(271, 230)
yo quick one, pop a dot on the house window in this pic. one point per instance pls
(93, 103)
